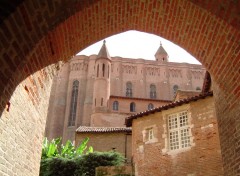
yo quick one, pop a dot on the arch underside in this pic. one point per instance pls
(36, 34)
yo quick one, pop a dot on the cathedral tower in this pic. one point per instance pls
(161, 55)
(101, 90)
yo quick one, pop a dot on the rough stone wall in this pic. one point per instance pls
(202, 158)
(22, 125)
(107, 141)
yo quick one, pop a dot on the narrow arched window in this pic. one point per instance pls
(101, 101)
(132, 107)
(115, 106)
(129, 89)
(103, 70)
(97, 70)
(150, 106)
(73, 105)
(175, 88)
(153, 93)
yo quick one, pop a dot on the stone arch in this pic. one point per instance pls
(36, 34)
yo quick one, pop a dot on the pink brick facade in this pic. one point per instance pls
(152, 82)
(35, 34)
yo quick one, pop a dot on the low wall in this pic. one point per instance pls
(114, 171)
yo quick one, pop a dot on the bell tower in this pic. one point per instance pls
(161, 55)
(101, 90)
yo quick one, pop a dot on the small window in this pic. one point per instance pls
(132, 107)
(150, 134)
(115, 105)
(129, 89)
(175, 88)
(179, 135)
(153, 93)
(101, 101)
(150, 106)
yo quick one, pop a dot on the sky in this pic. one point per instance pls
(134, 44)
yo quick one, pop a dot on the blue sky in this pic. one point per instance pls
(134, 44)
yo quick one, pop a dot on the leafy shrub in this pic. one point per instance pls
(87, 163)
(54, 149)
(65, 160)
(58, 167)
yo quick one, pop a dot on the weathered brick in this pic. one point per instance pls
(92, 24)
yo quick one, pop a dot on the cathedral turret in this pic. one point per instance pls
(101, 92)
(161, 55)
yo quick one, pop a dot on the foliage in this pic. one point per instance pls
(88, 163)
(57, 167)
(53, 149)
(79, 166)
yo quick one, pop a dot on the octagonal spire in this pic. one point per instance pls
(103, 53)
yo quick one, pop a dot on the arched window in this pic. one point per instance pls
(198, 88)
(153, 93)
(150, 106)
(175, 88)
(97, 70)
(103, 70)
(132, 107)
(73, 105)
(115, 105)
(101, 101)
(129, 89)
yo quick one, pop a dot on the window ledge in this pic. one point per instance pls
(177, 151)
(154, 140)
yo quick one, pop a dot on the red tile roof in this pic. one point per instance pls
(85, 129)
(128, 120)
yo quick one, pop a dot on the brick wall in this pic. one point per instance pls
(202, 158)
(228, 114)
(52, 32)
(22, 125)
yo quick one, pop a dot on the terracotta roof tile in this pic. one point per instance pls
(128, 120)
(85, 129)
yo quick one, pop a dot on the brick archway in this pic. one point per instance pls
(37, 34)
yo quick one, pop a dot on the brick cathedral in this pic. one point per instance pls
(101, 91)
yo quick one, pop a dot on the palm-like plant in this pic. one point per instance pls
(52, 149)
